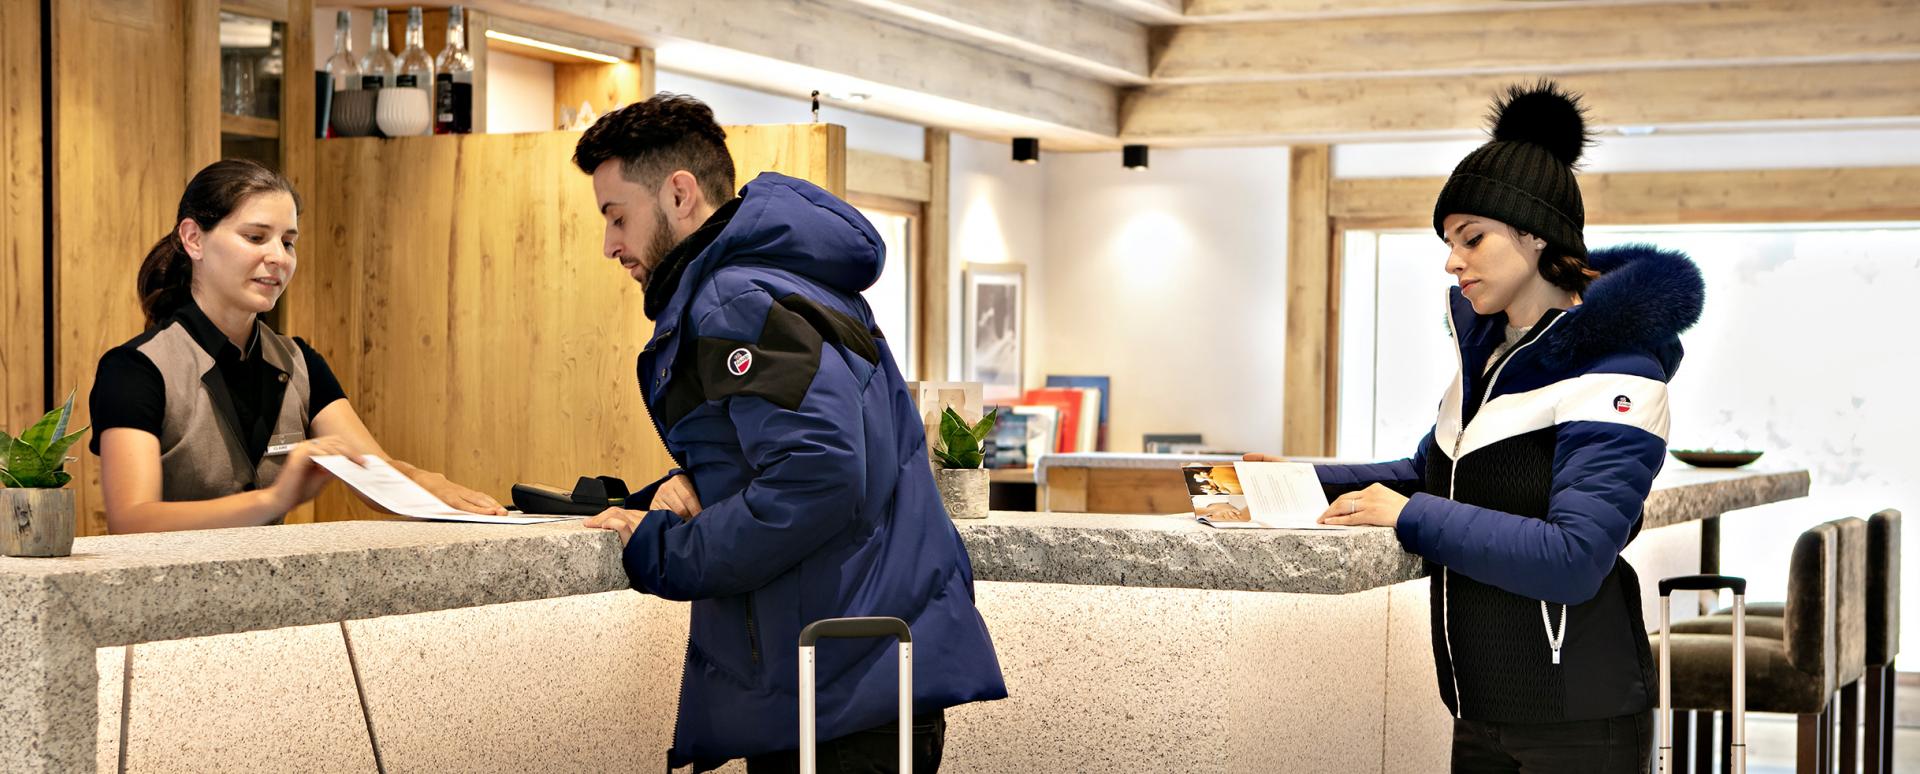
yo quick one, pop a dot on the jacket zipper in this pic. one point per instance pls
(753, 636)
(686, 661)
(1453, 477)
(1453, 472)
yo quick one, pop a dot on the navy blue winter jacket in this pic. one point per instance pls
(776, 393)
(1529, 486)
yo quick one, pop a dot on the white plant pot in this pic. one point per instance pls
(964, 492)
(404, 111)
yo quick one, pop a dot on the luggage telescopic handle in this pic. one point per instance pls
(1702, 583)
(1737, 741)
(854, 629)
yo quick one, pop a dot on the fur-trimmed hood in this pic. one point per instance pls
(1642, 301)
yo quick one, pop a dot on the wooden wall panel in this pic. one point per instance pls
(119, 163)
(22, 245)
(458, 291)
(22, 238)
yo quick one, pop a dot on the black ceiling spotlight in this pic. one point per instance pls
(1026, 150)
(1133, 156)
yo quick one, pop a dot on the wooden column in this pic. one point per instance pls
(23, 347)
(202, 74)
(1309, 338)
(813, 152)
(935, 288)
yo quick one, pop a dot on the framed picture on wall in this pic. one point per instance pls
(994, 325)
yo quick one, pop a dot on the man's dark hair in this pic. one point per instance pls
(658, 136)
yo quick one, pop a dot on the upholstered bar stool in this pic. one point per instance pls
(1883, 644)
(1820, 643)
(1883, 637)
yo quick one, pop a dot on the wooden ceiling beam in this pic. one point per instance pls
(1668, 198)
(1145, 11)
(1573, 39)
(1058, 33)
(1380, 108)
(841, 41)
(1234, 11)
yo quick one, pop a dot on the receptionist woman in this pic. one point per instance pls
(211, 418)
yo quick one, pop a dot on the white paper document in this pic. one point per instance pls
(392, 490)
(1257, 495)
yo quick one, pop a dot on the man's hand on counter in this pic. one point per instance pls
(1374, 506)
(675, 495)
(619, 520)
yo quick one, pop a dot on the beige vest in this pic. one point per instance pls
(202, 452)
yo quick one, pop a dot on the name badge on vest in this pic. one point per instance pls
(283, 443)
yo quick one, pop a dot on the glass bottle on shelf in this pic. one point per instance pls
(409, 111)
(339, 67)
(377, 66)
(453, 80)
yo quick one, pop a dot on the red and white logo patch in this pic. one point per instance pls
(739, 361)
(1622, 404)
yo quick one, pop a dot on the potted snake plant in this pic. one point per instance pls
(36, 508)
(962, 481)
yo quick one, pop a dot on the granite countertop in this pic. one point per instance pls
(139, 588)
(1177, 552)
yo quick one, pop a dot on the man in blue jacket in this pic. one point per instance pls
(803, 489)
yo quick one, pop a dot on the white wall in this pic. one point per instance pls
(519, 94)
(1173, 281)
(997, 214)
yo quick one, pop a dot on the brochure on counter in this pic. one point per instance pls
(1256, 495)
(383, 484)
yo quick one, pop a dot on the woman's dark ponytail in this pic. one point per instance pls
(166, 279)
(1566, 271)
(166, 275)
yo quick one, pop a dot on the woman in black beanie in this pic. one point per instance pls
(1533, 477)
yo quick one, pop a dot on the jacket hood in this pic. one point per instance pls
(803, 229)
(1644, 298)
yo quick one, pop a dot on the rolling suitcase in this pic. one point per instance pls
(1737, 755)
(854, 628)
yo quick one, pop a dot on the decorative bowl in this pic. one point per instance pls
(1714, 458)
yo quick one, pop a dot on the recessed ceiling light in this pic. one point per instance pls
(1637, 131)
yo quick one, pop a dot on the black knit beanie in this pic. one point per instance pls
(1524, 176)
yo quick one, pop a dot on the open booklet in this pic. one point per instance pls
(392, 490)
(1256, 495)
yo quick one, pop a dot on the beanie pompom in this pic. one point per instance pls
(1543, 115)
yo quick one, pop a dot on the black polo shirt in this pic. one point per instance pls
(128, 390)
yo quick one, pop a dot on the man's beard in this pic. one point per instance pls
(663, 243)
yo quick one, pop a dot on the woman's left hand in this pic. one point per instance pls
(1374, 506)
(461, 497)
